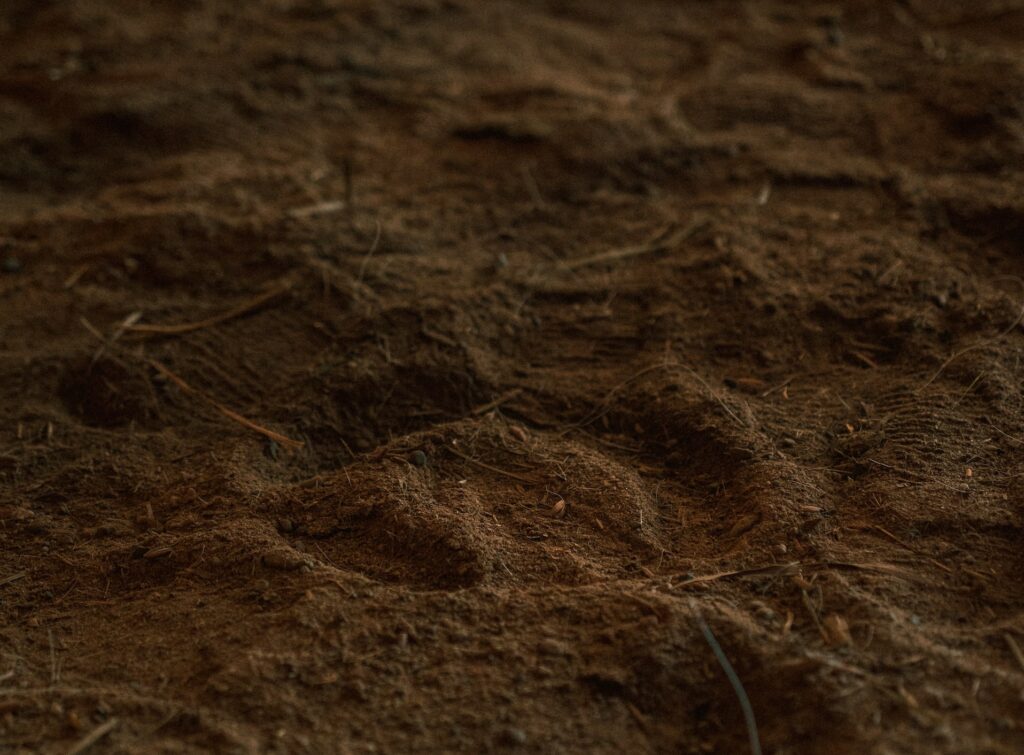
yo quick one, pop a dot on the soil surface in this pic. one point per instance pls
(418, 375)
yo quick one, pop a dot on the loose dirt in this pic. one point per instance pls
(416, 376)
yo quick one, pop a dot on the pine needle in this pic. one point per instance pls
(188, 327)
(737, 685)
(284, 440)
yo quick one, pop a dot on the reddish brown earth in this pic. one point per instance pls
(577, 309)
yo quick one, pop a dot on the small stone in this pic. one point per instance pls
(833, 31)
(74, 720)
(515, 736)
(12, 264)
(419, 458)
(283, 560)
(284, 524)
(837, 630)
(801, 582)
(744, 524)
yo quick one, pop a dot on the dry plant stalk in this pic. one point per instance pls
(666, 239)
(284, 440)
(94, 736)
(188, 327)
(794, 567)
(489, 468)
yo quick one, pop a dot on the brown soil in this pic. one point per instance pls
(576, 309)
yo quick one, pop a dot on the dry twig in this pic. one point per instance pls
(775, 570)
(188, 327)
(908, 546)
(13, 578)
(94, 736)
(366, 259)
(1015, 649)
(503, 398)
(490, 468)
(284, 440)
(666, 239)
(779, 570)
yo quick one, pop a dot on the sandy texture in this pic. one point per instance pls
(412, 376)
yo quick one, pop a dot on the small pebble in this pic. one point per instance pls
(837, 630)
(12, 264)
(551, 646)
(419, 458)
(515, 736)
(834, 32)
(74, 721)
(283, 560)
